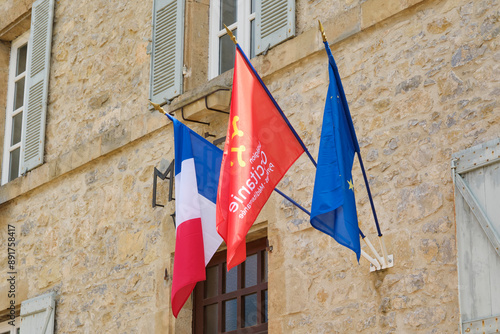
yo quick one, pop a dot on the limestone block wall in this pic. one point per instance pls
(421, 85)
(93, 238)
(421, 78)
(100, 74)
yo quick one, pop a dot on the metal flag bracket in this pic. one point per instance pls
(391, 264)
(379, 262)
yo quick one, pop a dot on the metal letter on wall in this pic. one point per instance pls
(169, 174)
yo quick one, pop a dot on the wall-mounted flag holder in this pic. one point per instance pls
(169, 175)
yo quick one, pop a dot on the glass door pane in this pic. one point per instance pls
(210, 319)
(231, 279)
(250, 268)
(264, 313)
(212, 282)
(250, 315)
(230, 315)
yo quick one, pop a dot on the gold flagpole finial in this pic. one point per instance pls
(158, 107)
(322, 31)
(230, 33)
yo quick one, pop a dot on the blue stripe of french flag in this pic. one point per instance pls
(197, 169)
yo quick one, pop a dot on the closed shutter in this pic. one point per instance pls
(477, 194)
(37, 82)
(275, 23)
(37, 314)
(167, 50)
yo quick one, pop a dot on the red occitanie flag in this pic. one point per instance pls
(260, 147)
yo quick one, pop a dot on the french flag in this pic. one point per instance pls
(197, 169)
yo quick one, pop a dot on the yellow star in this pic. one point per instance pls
(351, 186)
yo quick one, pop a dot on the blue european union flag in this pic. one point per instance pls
(333, 205)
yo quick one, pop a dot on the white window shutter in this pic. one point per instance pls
(37, 81)
(37, 314)
(476, 174)
(167, 51)
(275, 23)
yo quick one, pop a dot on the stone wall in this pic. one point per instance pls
(421, 81)
(421, 85)
(93, 237)
(100, 71)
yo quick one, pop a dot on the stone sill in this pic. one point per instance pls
(337, 29)
(197, 106)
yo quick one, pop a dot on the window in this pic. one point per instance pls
(15, 107)
(239, 17)
(7, 328)
(256, 24)
(230, 302)
(24, 135)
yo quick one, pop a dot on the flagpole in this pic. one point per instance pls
(292, 201)
(355, 140)
(369, 194)
(270, 96)
(370, 245)
(353, 134)
(373, 261)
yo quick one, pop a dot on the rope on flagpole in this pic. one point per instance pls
(271, 97)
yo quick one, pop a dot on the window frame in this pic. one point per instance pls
(16, 44)
(5, 326)
(244, 18)
(258, 247)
